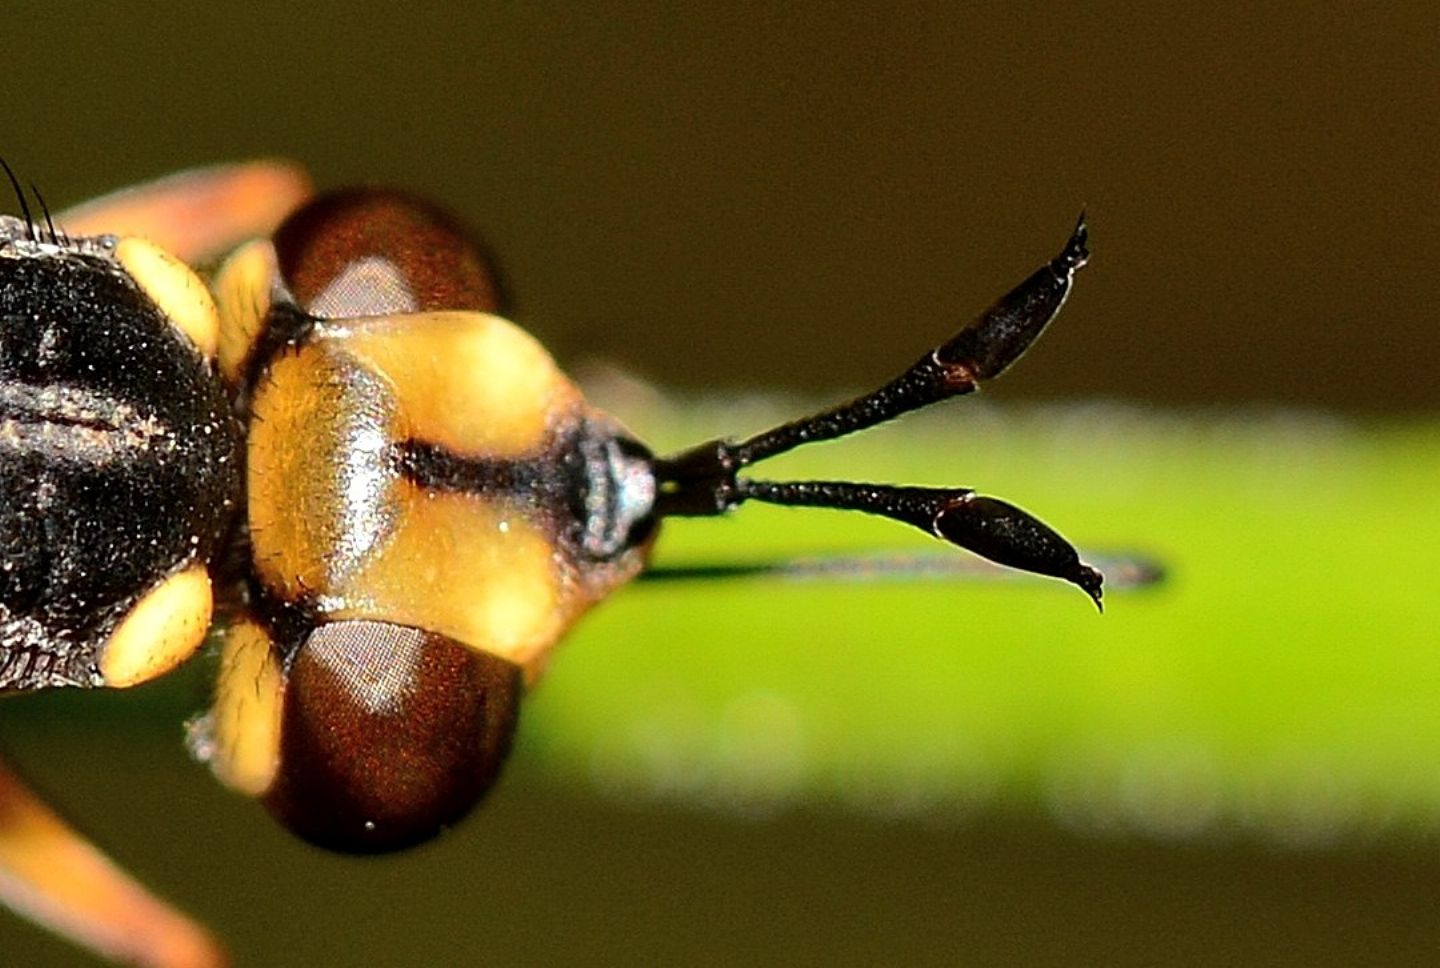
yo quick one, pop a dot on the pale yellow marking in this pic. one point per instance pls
(452, 568)
(161, 631)
(245, 720)
(199, 214)
(475, 384)
(175, 288)
(51, 874)
(319, 479)
(242, 296)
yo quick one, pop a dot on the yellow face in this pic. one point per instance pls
(344, 516)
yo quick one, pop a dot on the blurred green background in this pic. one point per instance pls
(1237, 767)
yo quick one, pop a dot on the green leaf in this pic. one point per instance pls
(1283, 677)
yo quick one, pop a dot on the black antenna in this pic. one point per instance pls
(705, 480)
(20, 197)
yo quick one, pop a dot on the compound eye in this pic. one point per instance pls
(388, 735)
(376, 252)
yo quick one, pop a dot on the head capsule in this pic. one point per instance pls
(430, 506)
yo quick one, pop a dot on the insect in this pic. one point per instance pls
(393, 498)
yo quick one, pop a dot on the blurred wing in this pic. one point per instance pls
(197, 215)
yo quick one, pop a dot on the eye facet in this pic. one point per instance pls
(389, 734)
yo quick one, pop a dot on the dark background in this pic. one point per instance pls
(804, 198)
(807, 195)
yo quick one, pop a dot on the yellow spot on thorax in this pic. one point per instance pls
(175, 288)
(164, 629)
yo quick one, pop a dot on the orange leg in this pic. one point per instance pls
(197, 215)
(51, 874)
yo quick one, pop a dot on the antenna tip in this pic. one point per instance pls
(1091, 582)
(1077, 250)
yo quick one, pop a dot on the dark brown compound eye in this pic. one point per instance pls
(388, 735)
(378, 252)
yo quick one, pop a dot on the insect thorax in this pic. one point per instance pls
(119, 459)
